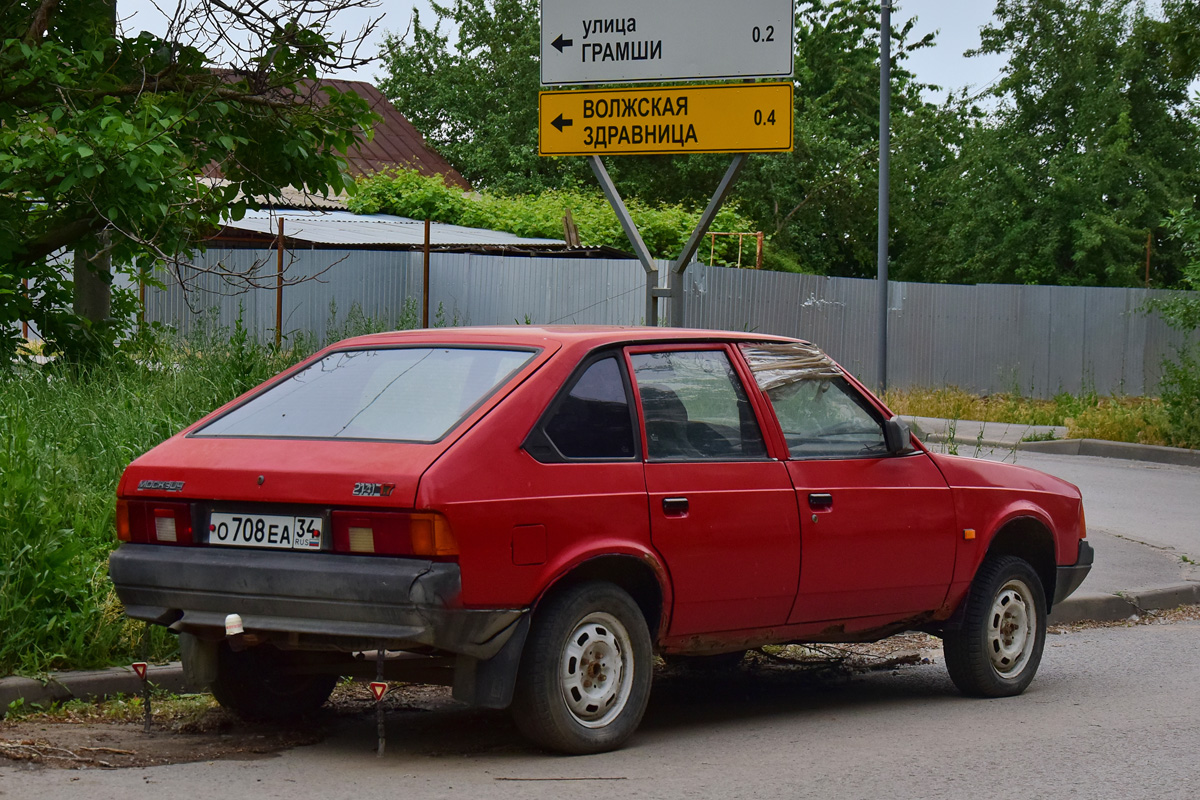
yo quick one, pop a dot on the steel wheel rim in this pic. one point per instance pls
(596, 669)
(1012, 628)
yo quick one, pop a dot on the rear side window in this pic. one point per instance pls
(590, 421)
(411, 394)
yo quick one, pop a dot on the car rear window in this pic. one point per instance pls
(411, 394)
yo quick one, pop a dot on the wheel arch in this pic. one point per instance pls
(641, 577)
(1028, 538)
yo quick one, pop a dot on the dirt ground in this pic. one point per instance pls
(110, 735)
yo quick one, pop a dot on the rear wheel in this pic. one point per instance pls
(999, 647)
(263, 684)
(585, 675)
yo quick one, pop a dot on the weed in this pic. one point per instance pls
(1086, 415)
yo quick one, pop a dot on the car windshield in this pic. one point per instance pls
(412, 394)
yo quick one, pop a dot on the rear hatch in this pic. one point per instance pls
(336, 446)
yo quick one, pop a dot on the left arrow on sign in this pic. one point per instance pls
(561, 123)
(560, 43)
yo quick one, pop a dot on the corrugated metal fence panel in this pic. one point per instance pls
(502, 290)
(1038, 340)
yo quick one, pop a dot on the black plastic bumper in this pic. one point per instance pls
(343, 601)
(1069, 577)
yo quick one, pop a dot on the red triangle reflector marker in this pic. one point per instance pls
(139, 667)
(378, 689)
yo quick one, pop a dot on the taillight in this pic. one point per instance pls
(154, 522)
(424, 533)
(1082, 523)
(123, 532)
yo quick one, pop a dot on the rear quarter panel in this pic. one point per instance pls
(506, 507)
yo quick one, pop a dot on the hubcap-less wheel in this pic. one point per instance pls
(585, 671)
(996, 648)
(593, 670)
(1011, 628)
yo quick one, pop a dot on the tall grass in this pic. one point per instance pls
(66, 434)
(1085, 416)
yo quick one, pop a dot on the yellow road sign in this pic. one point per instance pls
(730, 118)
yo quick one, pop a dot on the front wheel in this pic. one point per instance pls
(584, 678)
(997, 651)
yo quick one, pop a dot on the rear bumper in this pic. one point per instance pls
(1069, 577)
(308, 599)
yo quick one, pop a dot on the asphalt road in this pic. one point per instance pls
(1111, 715)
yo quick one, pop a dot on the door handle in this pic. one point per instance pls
(820, 500)
(675, 505)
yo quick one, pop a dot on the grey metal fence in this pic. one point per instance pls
(1038, 340)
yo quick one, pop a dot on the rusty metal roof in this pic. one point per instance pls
(396, 142)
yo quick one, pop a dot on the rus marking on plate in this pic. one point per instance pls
(732, 118)
(623, 41)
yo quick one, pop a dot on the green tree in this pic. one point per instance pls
(104, 137)
(1093, 141)
(475, 98)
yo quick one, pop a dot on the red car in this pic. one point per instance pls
(529, 514)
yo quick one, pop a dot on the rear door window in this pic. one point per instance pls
(410, 394)
(694, 407)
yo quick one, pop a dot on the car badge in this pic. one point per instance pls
(373, 489)
(159, 486)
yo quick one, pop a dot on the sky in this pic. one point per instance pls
(957, 22)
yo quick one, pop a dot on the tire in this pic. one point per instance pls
(997, 651)
(585, 674)
(258, 685)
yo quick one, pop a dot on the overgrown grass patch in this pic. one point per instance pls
(67, 431)
(1086, 416)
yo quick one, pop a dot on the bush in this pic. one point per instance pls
(664, 227)
(1181, 398)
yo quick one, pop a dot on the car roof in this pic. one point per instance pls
(563, 335)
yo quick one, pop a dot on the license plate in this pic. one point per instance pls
(265, 530)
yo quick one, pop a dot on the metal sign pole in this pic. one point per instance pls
(631, 232)
(689, 250)
(885, 152)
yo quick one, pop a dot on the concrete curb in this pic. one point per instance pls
(1097, 607)
(89, 684)
(61, 686)
(1104, 449)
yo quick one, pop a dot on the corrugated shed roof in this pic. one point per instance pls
(359, 230)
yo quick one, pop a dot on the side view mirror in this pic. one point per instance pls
(897, 436)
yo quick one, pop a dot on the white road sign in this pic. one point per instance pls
(630, 41)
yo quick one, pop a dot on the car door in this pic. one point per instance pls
(878, 529)
(722, 513)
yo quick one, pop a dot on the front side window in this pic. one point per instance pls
(694, 407)
(412, 394)
(821, 414)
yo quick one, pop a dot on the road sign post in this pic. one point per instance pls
(630, 41)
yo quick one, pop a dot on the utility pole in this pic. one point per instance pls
(885, 153)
